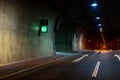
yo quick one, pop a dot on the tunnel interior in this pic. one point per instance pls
(64, 35)
(71, 27)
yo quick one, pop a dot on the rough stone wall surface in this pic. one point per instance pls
(18, 40)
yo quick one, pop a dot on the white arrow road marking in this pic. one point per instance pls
(95, 72)
(118, 56)
(77, 60)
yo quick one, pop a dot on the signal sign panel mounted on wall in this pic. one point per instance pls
(43, 26)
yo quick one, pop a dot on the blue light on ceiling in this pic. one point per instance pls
(99, 25)
(94, 4)
(97, 18)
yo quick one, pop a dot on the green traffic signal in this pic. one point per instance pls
(44, 28)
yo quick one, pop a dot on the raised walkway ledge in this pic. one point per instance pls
(16, 68)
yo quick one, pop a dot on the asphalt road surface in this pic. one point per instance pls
(95, 66)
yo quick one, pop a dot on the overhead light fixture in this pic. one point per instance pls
(94, 4)
(97, 18)
(101, 30)
(99, 25)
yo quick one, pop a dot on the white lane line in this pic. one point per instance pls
(95, 72)
(77, 60)
(118, 56)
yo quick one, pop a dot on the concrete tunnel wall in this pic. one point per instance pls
(18, 40)
(70, 37)
(79, 42)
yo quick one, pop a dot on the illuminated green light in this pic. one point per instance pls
(44, 29)
(35, 27)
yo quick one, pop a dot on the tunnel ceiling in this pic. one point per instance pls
(81, 12)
